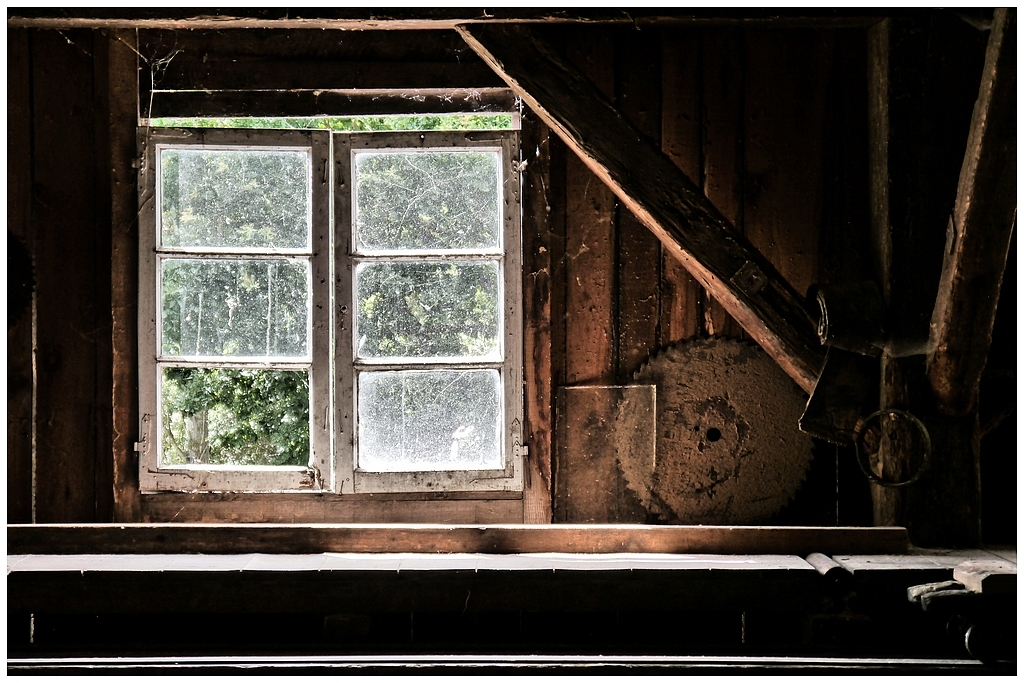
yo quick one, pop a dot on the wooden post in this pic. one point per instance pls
(123, 83)
(980, 230)
(923, 79)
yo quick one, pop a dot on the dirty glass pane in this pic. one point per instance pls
(431, 199)
(429, 420)
(439, 309)
(221, 307)
(257, 198)
(221, 416)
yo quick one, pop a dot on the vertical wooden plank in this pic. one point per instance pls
(19, 322)
(845, 248)
(924, 73)
(538, 246)
(723, 79)
(786, 84)
(69, 296)
(638, 95)
(597, 425)
(590, 236)
(103, 468)
(123, 84)
(681, 141)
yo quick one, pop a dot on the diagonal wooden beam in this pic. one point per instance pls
(658, 193)
(980, 229)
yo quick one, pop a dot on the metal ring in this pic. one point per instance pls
(858, 434)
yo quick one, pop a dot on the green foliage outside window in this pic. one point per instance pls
(223, 416)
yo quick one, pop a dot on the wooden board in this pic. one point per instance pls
(24, 539)
(316, 508)
(980, 231)
(786, 76)
(596, 427)
(124, 267)
(590, 269)
(19, 332)
(681, 118)
(285, 61)
(538, 291)
(723, 75)
(73, 267)
(638, 97)
(919, 560)
(416, 18)
(319, 102)
(383, 583)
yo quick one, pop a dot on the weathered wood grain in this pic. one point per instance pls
(980, 229)
(722, 78)
(681, 119)
(598, 425)
(421, 18)
(73, 294)
(318, 102)
(538, 291)
(589, 237)
(784, 110)
(19, 225)
(924, 75)
(123, 86)
(57, 539)
(638, 95)
(103, 138)
(662, 197)
(324, 508)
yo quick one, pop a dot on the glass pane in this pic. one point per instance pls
(220, 307)
(235, 198)
(429, 420)
(432, 200)
(220, 416)
(427, 310)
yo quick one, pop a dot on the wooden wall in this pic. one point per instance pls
(59, 397)
(771, 123)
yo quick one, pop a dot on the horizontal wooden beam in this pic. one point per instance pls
(233, 103)
(418, 18)
(337, 583)
(749, 288)
(980, 229)
(440, 538)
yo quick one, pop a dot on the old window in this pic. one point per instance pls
(331, 312)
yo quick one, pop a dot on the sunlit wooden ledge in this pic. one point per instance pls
(62, 539)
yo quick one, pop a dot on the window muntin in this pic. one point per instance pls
(266, 249)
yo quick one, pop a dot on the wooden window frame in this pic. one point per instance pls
(350, 479)
(331, 469)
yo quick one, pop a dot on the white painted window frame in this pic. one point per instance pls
(332, 466)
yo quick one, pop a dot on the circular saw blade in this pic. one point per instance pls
(728, 450)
